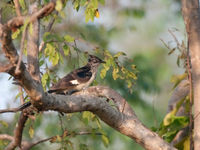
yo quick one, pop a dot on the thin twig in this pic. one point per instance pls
(61, 122)
(17, 71)
(63, 135)
(48, 29)
(0, 15)
(9, 110)
(21, 95)
(17, 7)
(20, 108)
(165, 44)
(176, 40)
(191, 98)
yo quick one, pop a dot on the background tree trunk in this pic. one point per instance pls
(191, 15)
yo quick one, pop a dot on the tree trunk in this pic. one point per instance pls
(191, 15)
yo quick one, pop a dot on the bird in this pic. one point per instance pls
(78, 79)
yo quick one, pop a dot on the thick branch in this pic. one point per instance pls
(103, 91)
(6, 68)
(6, 137)
(127, 123)
(19, 21)
(32, 46)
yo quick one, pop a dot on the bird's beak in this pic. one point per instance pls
(103, 62)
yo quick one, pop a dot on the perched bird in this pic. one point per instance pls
(76, 80)
(79, 78)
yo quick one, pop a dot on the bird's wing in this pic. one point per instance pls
(84, 74)
(74, 78)
(63, 83)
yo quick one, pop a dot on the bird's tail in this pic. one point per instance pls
(51, 91)
(25, 105)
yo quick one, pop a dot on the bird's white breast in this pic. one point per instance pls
(84, 85)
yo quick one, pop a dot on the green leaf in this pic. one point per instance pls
(102, 2)
(5, 124)
(59, 138)
(89, 14)
(18, 95)
(114, 73)
(133, 67)
(31, 28)
(68, 38)
(87, 116)
(105, 140)
(45, 78)
(186, 144)
(59, 5)
(168, 118)
(31, 132)
(61, 58)
(103, 73)
(119, 54)
(16, 34)
(22, 4)
(77, 4)
(83, 147)
(83, 2)
(50, 51)
(41, 62)
(66, 50)
(55, 58)
(176, 79)
(169, 136)
(91, 10)
(48, 37)
(129, 83)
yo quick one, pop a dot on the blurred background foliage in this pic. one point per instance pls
(134, 27)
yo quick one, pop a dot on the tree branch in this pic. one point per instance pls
(17, 7)
(9, 110)
(6, 137)
(6, 68)
(18, 132)
(11, 138)
(48, 29)
(30, 145)
(123, 119)
(191, 15)
(16, 22)
(125, 122)
(32, 45)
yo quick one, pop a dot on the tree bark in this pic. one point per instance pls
(191, 15)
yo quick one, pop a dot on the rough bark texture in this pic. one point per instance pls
(122, 117)
(33, 46)
(191, 14)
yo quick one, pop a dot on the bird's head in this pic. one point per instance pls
(94, 60)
